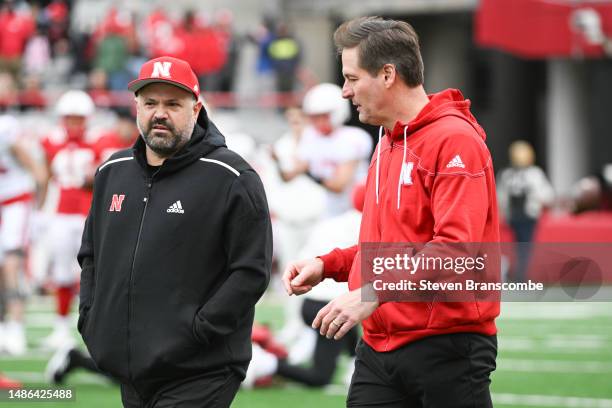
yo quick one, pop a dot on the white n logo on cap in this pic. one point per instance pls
(161, 68)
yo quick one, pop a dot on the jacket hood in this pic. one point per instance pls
(205, 138)
(449, 102)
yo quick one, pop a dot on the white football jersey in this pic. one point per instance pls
(14, 179)
(324, 153)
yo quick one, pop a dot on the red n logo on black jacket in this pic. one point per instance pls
(116, 202)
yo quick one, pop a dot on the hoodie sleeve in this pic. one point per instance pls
(460, 192)
(337, 263)
(86, 260)
(248, 245)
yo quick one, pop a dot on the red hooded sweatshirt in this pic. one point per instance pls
(446, 194)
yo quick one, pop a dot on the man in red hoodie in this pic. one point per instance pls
(430, 182)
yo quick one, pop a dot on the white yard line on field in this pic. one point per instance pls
(564, 344)
(553, 366)
(30, 355)
(522, 400)
(557, 310)
(42, 319)
(551, 401)
(39, 378)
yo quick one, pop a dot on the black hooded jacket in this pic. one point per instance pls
(174, 262)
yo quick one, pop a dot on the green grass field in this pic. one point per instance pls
(550, 355)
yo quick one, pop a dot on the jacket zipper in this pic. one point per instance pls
(388, 167)
(144, 212)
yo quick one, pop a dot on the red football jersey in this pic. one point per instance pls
(108, 144)
(72, 163)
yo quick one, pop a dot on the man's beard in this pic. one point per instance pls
(171, 141)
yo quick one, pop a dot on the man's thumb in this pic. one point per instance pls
(298, 280)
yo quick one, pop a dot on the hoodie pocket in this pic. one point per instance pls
(374, 324)
(85, 322)
(82, 322)
(198, 333)
(163, 346)
(394, 317)
(215, 344)
(451, 314)
(406, 316)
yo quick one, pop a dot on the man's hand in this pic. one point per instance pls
(342, 313)
(301, 276)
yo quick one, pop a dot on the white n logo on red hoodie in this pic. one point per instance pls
(407, 173)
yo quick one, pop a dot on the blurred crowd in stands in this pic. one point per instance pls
(40, 54)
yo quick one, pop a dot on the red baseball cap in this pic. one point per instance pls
(170, 70)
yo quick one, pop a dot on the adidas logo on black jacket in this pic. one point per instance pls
(166, 296)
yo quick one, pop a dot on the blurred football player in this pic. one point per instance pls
(71, 159)
(18, 171)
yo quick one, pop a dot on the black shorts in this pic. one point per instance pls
(212, 390)
(451, 370)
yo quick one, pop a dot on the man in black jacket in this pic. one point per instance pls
(176, 252)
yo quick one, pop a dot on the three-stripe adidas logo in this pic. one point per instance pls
(176, 208)
(455, 162)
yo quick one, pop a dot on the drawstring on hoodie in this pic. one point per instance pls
(380, 132)
(446, 103)
(401, 175)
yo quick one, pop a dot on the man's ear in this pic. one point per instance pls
(389, 74)
(196, 108)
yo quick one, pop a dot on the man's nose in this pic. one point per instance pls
(347, 92)
(160, 113)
